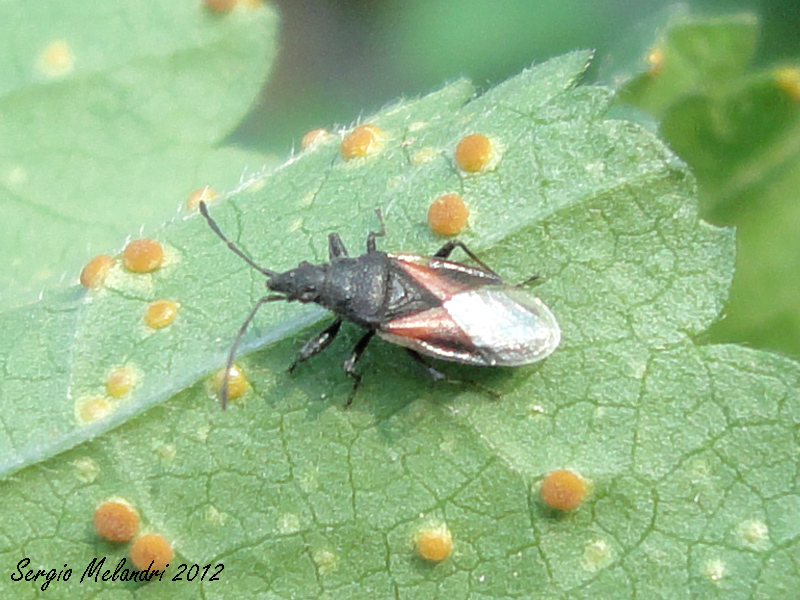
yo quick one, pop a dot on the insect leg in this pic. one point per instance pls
(437, 375)
(223, 388)
(371, 246)
(446, 250)
(336, 246)
(317, 344)
(350, 363)
(530, 279)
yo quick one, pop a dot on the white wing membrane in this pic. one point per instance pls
(509, 326)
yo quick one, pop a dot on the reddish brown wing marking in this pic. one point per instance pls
(432, 332)
(432, 324)
(443, 278)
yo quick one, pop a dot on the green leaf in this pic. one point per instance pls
(111, 116)
(432, 40)
(739, 130)
(694, 57)
(689, 450)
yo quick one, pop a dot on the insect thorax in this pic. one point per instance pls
(370, 289)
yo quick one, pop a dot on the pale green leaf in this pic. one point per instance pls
(111, 115)
(690, 450)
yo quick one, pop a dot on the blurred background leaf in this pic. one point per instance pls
(342, 58)
(738, 127)
(110, 115)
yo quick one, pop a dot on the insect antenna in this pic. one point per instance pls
(223, 388)
(215, 228)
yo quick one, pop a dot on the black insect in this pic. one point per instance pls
(429, 305)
